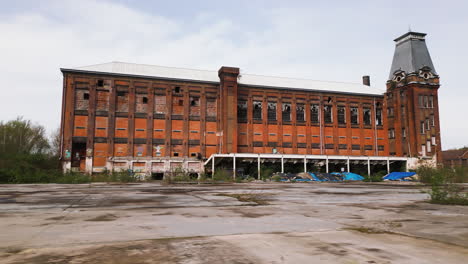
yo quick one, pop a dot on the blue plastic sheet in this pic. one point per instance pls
(395, 176)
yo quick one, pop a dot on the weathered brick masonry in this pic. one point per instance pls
(154, 119)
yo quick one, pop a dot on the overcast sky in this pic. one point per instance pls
(321, 40)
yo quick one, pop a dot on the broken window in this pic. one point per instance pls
(177, 89)
(194, 101)
(300, 114)
(122, 102)
(271, 111)
(328, 113)
(286, 113)
(257, 110)
(390, 111)
(341, 115)
(100, 83)
(194, 106)
(242, 110)
(314, 113)
(141, 103)
(354, 116)
(378, 116)
(86, 96)
(367, 116)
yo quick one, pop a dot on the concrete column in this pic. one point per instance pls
(326, 164)
(66, 166)
(388, 165)
(212, 167)
(89, 165)
(305, 164)
(258, 164)
(234, 166)
(149, 168)
(368, 166)
(109, 165)
(347, 164)
(282, 164)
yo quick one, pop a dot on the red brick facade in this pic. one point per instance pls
(109, 119)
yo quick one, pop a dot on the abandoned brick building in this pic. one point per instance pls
(153, 119)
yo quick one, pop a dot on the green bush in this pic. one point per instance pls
(222, 175)
(276, 178)
(444, 187)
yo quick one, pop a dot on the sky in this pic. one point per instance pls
(320, 40)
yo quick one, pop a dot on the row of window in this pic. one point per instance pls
(391, 133)
(426, 124)
(426, 101)
(315, 115)
(316, 146)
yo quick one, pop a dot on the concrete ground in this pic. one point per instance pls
(232, 223)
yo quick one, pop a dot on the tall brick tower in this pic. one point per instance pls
(412, 101)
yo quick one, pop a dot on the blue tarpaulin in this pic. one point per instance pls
(349, 176)
(395, 176)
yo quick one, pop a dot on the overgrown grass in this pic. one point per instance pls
(56, 176)
(376, 177)
(444, 184)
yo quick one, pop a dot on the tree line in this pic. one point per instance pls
(27, 153)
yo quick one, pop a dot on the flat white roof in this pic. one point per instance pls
(155, 71)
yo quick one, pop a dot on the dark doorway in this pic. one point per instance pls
(78, 158)
(158, 176)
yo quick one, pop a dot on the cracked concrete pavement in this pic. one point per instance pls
(300, 223)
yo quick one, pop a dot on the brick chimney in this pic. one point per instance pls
(366, 80)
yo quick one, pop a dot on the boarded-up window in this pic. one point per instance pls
(80, 102)
(122, 102)
(160, 104)
(102, 103)
(211, 108)
(120, 150)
